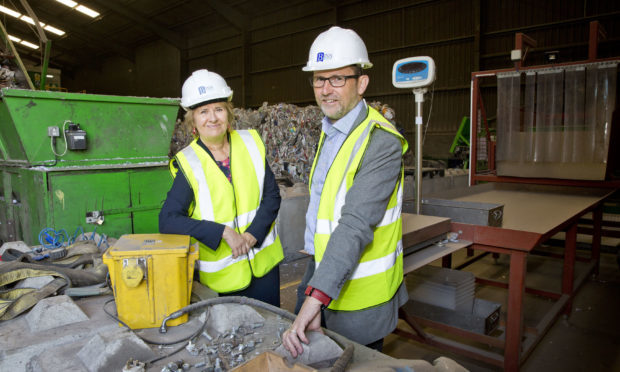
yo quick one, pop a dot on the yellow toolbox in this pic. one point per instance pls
(151, 277)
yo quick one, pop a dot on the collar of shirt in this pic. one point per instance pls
(345, 123)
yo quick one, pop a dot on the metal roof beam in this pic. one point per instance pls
(94, 39)
(229, 13)
(101, 42)
(61, 60)
(168, 35)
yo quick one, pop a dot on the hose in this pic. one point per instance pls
(154, 342)
(198, 331)
(50, 238)
(343, 360)
(224, 300)
(76, 234)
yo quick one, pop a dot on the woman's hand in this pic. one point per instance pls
(249, 238)
(236, 242)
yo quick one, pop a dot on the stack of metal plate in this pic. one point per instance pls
(450, 289)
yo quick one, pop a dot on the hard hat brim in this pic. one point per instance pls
(196, 105)
(309, 68)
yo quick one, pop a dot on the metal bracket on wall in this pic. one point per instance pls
(95, 217)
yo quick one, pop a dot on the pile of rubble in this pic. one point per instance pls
(290, 134)
(7, 78)
(11, 75)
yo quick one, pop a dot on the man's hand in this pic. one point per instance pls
(309, 319)
(237, 243)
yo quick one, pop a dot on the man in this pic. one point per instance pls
(353, 223)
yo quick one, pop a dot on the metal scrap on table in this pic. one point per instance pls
(220, 352)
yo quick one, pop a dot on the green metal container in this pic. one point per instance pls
(118, 182)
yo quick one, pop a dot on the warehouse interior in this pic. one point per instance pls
(509, 193)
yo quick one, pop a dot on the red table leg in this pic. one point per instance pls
(568, 274)
(446, 261)
(514, 321)
(597, 221)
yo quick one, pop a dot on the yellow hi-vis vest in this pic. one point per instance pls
(379, 272)
(234, 205)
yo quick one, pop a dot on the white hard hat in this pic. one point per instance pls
(336, 48)
(204, 87)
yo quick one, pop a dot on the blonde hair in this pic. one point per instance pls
(188, 120)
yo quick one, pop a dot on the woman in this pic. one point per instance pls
(225, 196)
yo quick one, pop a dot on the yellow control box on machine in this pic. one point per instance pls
(151, 277)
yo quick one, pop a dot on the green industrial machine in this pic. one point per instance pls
(71, 159)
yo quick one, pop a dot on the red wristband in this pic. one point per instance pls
(319, 295)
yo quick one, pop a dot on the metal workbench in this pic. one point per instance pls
(532, 215)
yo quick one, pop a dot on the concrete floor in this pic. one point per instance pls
(587, 340)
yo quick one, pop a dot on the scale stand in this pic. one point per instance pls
(419, 100)
(417, 73)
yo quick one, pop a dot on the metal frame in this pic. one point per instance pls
(477, 105)
(518, 340)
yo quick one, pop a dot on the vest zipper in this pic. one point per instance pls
(232, 183)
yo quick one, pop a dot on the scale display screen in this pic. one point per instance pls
(413, 72)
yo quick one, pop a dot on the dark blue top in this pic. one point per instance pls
(173, 217)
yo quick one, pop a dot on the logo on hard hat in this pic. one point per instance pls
(320, 57)
(202, 89)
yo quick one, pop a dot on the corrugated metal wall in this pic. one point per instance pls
(461, 35)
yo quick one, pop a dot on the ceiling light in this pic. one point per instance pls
(23, 42)
(49, 76)
(88, 11)
(68, 3)
(28, 19)
(10, 12)
(54, 30)
(29, 45)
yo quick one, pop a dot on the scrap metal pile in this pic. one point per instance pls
(7, 77)
(290, 133)
(11, 76)
(231, 332)
(235, 334)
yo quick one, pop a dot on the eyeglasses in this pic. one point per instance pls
(336, 81)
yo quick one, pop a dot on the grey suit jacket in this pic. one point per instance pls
(365, 204)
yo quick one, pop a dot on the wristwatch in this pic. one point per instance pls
(319, 295)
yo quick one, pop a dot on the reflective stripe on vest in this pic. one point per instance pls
(379, 271)
(234, 205)
(257, 159)
(376, 266)
(391, 215)
(205, 205)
